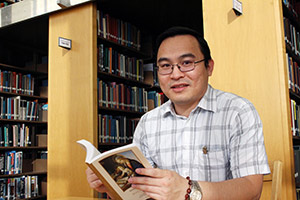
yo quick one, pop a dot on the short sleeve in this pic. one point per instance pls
(247, 149)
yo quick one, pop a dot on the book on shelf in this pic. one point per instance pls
(16, 135)
(118, 31)
(19, 187)
(120, 96)
(114, 62)
(20, 109)
(116, 129)
(14, 82)
(155, 99)
(115, 167)
(11, 162)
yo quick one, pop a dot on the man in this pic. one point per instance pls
(205, 143)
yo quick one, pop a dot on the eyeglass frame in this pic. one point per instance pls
(178, 66)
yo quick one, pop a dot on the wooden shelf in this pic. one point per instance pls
(26, 55)
(14, 121)
(22, 70)
(25, 96)
(24, 174)
(37, 197)
(112, 77)
(114, 111)
(30, 148)
(124, 49)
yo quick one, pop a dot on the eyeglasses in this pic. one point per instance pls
(183, 66)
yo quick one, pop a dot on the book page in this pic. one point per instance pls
(117, 168)
(91, 151)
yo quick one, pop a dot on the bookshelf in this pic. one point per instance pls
(122, 96)
(80, 106)
(249, 53)
(291, 25)
(23, 69)
(254, 66)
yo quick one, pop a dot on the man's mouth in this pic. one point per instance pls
(179, 86)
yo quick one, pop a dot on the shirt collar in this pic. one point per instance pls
(208, 102)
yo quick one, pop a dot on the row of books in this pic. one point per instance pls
(294, 74)
(121, 96)
(114, 62)
(155, 99)
(291, 36)
(19, 187)
(295, 115)
(16, 82)
(117, 30)
(18, 135)
(116, 129)
(20, 109)
(11, 162)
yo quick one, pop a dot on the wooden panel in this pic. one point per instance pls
(79, 198)
(72, 100)
(249, 59)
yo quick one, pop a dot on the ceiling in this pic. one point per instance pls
(30, 34)
(156, 15)
(152, 16)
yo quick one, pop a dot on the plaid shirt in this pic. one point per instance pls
(221, 139)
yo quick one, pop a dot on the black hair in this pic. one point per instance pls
(178, 30)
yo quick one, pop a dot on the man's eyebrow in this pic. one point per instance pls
(187, 55)
(163, 59)
(180, 57)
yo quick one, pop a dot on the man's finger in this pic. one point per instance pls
(152, 172)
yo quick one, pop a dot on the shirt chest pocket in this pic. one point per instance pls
(214, 162)
(211, 158)
(217, 157)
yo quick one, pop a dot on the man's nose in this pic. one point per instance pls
(176, 73)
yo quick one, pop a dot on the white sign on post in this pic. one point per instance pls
(237, 7)
(65, 43)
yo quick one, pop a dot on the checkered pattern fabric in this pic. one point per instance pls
(220, 140)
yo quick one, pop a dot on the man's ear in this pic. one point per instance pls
(210, 67)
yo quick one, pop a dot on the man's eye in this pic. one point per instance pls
(165, 65)
(186, 63)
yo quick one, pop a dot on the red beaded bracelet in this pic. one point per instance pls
(188, 191)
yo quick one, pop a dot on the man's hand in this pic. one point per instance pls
(94, 181)
(160, 184)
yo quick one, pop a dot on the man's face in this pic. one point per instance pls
(184, 89)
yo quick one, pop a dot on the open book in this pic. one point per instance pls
(115, 167)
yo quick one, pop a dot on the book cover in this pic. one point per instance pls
(115, 167)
